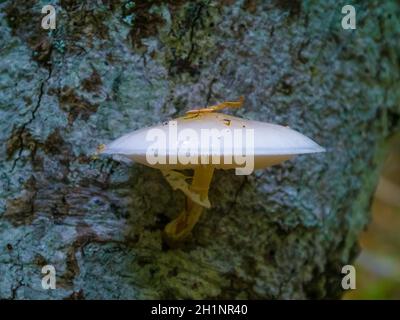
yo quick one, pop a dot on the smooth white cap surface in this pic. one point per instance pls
(272, 143)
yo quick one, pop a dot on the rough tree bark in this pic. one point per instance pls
(114, 66)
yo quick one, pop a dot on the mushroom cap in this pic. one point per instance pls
(272, 143)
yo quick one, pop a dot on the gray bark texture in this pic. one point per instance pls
(111, 67)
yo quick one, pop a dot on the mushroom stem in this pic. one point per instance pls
(179, 228)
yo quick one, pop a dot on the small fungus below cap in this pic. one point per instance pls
(204, 140)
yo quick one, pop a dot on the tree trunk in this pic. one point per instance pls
(111, 67)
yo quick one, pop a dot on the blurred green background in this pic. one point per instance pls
(378, 265)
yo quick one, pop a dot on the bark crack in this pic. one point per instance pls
(22, 129)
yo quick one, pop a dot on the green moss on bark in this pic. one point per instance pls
(284, 232)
